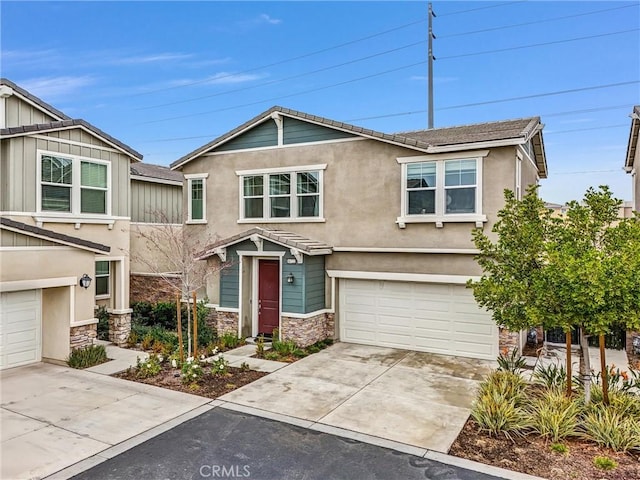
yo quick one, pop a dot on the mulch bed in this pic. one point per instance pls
(533, 456)
(210, 386)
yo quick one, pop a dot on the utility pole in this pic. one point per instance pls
(430, 62)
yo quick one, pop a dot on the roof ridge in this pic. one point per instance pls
(37, 100)
(535, 117)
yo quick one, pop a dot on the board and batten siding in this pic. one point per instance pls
(21, 173)
(263, 135)
(297, 131)
(155, 202)
(305, 295)
(19, 113)
(15, 239)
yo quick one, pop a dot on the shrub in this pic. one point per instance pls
(609, 428)
(229, 341)
(87, 356)
(147, 342)
(272, 355)
(142, 313)
(300, 353)
(149, 368)
(605, 463)
(284, 348)
(555, 416)
(551, 376)
(164, 314)
(219, 366)
(191, 370)
(260, 346)
(103, 323)
(512, 362)
(559, 448)
(132, 339)
(496, 414)
(244, 366)
(505, 384)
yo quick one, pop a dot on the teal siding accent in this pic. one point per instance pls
(230, 281)
(293, 293)
(297, 131)
(314, 282)
(262, 135)
(306, 294)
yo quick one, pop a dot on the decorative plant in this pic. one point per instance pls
(512, 361)
(148, 368)
(191, 371)
(219, 366)
(87, 356)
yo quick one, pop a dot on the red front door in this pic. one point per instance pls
(268, 296)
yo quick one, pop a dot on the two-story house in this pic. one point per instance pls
(65, 215)
(329, 229)
(632, 161)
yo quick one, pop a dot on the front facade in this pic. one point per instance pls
(327, 229)
(632, 161)
(65, 203)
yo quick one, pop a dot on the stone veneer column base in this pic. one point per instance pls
(119, 328)
(307, 331)
(83, 335)
(507, 340)
(227, 322)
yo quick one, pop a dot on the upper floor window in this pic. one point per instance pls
(73, 184)
(440, 190)
(196, 191)
(290, 194)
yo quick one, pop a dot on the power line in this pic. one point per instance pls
(587, 171)
(514, 25)
(537, 95)
(271, 82)
(290, 59)
(501, 4)
(587, 129)
(304, 92)
(473, 54)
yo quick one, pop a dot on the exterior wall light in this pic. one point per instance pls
(290, 278)
(85, 281)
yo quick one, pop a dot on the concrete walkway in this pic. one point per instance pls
(558, 355)
(121, 359)
(243, 354)
(413, 398)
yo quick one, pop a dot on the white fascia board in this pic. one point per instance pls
(301, 168)
(462, 251)
(53, 240)
(402, 277)
(443, 156)
(470, 146)
(14, 286)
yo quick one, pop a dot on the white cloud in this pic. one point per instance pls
(56, 87)
(151, 58)
(436, 80)
(29, 58)
(264, 18)
(577, 120)
(218, 79)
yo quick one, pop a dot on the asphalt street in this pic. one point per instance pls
(223, 444)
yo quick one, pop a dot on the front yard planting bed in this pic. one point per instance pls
(524, 421)
(533, 455)
(209, 385)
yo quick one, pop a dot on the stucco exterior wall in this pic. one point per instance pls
(56, 304)
(636, 179)
(427, 263)
(362, 194)
(143, 256)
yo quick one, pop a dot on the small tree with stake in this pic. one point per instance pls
(174, 260)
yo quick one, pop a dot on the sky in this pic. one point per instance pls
(167, 77)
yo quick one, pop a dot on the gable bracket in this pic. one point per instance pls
(297, 254)
(257, 241)
(222, 253)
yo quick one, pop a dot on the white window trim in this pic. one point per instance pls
(518, 189)
(75, 215)
(293, 195)
(440, 217)
(197, 176)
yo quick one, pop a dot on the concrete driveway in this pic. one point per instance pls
(413, 398)
(53, 416)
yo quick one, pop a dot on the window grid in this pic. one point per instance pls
(102, 278)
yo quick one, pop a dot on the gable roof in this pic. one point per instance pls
(151, 172)
(66, 124)
(632, 145)
(286, 239)
(508, 132)
(37, 232)
(32, 99)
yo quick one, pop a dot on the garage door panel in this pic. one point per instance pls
(438, 318)
(21, 329)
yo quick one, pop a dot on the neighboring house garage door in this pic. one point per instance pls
(20, 328)
(431, 317)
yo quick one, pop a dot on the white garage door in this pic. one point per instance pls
(20, 328)
(430, 317)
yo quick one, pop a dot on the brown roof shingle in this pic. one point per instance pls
(156, 171)
(54, 236)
